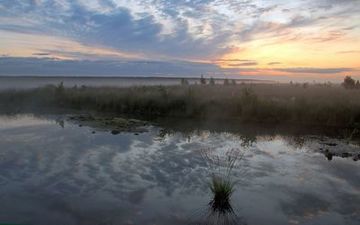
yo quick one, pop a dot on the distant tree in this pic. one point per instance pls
(349, 83)
(233, 82)
(305, 85)
(60, 89)
(226, 81)
(184, 81)
(291, 83)
(357, 85)
(212, 81)
(59, 92)
(202, 80)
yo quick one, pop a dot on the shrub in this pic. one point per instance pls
(348, 83)
(212, 81)
(202, 80)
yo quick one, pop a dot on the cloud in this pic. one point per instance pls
(11, 66)
(243, 64)
(233, 60)
(314, 70)
(41, 54)
(349, 52)
(274, 63)
(175, 29)
(118, 28)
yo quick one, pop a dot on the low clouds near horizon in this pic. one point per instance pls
(236, 37)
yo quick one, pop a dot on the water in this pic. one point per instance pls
(55, 172)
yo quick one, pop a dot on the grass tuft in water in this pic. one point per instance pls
(222, 189)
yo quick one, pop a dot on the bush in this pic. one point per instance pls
(348, 83)
(184, 81)
(212, 81)
(202, 80)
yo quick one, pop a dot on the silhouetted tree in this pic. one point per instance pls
(348, 83)
(233, 82)
(226, 81)
(357, 85)
(184, 81)
(59, 91)
(305, 85)
(202, 80)
(212, 81)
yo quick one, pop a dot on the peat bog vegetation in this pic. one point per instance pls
(304, 104)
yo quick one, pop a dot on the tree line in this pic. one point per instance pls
(211, 81)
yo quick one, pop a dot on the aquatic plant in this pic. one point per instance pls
(222, 163)
(222, 189)
(222, 185)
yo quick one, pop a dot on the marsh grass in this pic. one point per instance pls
(271, 103)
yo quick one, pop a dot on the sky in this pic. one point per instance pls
(300, 40)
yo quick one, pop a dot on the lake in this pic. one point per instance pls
(57, 171)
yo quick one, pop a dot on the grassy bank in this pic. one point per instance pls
(279, 103)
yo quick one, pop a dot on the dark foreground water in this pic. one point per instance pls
(53, 172)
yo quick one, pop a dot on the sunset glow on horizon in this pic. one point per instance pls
(300, 40)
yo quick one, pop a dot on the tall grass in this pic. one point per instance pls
(279, 103)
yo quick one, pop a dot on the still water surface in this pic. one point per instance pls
(58, 173)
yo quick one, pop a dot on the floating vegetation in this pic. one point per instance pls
(115, 125)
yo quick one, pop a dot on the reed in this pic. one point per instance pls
(273, 103)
